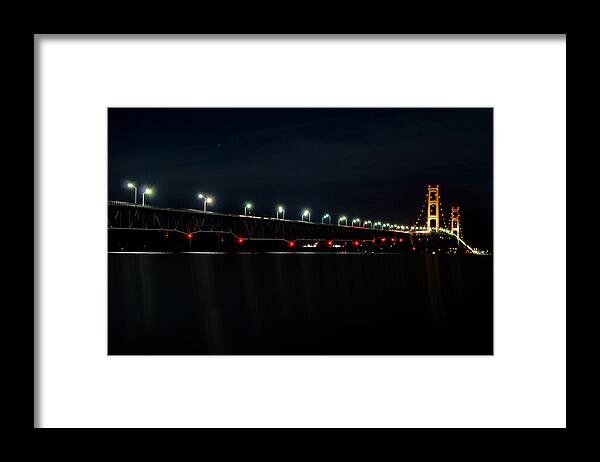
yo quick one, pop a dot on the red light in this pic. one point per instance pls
(189, 235)
(392, 239)
(373, 241)
(383, 239)
(414, 248)
(241, 240)
(400, 239)
(329, 242)
(356, 243)
(291, 243)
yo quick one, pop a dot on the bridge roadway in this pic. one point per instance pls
(128, 216)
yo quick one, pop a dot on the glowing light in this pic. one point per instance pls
(356, 243)
(241, 240)
(280, 210)
(292, 244)
(146, 191)
(189, 235)
(207, 200)
(329, 242)
(132, 186)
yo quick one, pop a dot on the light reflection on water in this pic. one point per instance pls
(278, 303)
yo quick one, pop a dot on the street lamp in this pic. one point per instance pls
(356, 220)
(344, 219)
(132, 186)
(280, 210)
(146, 191)
(368, 222)
(305, 213)
(247, 207)
(326, 217)
(206, 199)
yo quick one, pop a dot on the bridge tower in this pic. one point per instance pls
(433, 207)
(455, 228)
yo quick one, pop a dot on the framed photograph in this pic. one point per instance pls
(245, 231)
(314, 231)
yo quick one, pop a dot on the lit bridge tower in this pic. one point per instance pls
(456, 221)
(433, 207)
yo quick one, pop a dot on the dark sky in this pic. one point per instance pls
(369, 163)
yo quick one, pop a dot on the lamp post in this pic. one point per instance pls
(132, 186)
(206, 199)
(356, 220)
(280, 210)
(146, 191)
(305, 213)
(326, 217)
(368, 222)
(344, 219)
(247, 207)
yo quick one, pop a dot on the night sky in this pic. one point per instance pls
(368, 163)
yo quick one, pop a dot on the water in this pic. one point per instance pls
(299, 304)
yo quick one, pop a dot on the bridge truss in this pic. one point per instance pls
(127, 216)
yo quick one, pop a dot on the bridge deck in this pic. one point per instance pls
(125, 216)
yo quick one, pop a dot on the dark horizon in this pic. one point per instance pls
(369, 163)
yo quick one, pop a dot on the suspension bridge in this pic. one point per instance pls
(144, 228)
